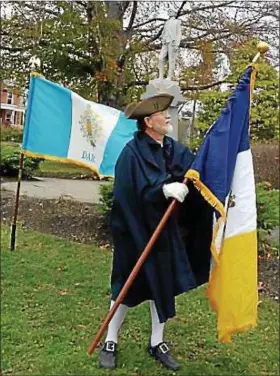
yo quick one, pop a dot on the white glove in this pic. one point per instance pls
(176, 190)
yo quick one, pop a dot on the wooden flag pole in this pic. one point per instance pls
(15, 214)
(133, 275)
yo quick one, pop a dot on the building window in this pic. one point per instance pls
(10, 98)
(8, 118)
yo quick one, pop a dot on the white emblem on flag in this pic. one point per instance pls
(91, 125)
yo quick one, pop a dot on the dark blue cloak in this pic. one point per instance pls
(180, 259)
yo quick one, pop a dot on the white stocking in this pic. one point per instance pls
(116, 322)
(157, 327)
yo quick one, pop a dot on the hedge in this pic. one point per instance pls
(10, 153)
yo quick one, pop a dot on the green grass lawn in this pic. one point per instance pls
(49, 168)
(56, 293)
(61, 170)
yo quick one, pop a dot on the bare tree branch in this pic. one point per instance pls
(133, 14)
(181, 7)
(80, 43)
(38, 9)
(43, 44)
(184, 88)
(137, 83)
(125, 5)
(116, 9)
(149, 21)
(202, 87)
(207, 7)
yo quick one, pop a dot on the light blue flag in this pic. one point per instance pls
(61, 125)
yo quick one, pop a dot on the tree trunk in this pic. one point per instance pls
(109, 92)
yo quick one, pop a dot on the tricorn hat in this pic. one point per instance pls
(148, 106)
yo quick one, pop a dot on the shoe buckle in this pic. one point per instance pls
(163, 348)
(110, 346)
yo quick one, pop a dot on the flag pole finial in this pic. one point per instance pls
(262, 47)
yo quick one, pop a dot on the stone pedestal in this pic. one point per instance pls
(166, 86)
(184, 130)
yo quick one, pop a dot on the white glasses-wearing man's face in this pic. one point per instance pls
(160, 122)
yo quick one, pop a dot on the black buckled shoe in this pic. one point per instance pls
(108, 355)
(161, 352)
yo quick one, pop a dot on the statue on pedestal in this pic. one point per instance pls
(171, 37)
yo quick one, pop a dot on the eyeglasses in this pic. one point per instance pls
(165, 113)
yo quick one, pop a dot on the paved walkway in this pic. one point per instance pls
(80, 190)
(49, 188)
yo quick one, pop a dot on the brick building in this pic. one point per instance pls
(11, 108)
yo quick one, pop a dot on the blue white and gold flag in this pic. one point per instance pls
(61, 125)
(223, 173)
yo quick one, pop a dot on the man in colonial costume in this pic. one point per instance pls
(148, 174)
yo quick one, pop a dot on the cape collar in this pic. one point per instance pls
(145, 143)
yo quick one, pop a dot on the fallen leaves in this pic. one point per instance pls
(63, 292)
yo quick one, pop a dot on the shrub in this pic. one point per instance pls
(11, 134)
(195, 141)
(10, 161)
(266, 163)
(106, 198)
(267, 210)
(268, 214)
(268, 206)
(265, 159)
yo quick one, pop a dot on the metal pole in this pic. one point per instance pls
(193, 117)
(33, 63)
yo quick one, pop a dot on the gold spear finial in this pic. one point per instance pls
(262, 47)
